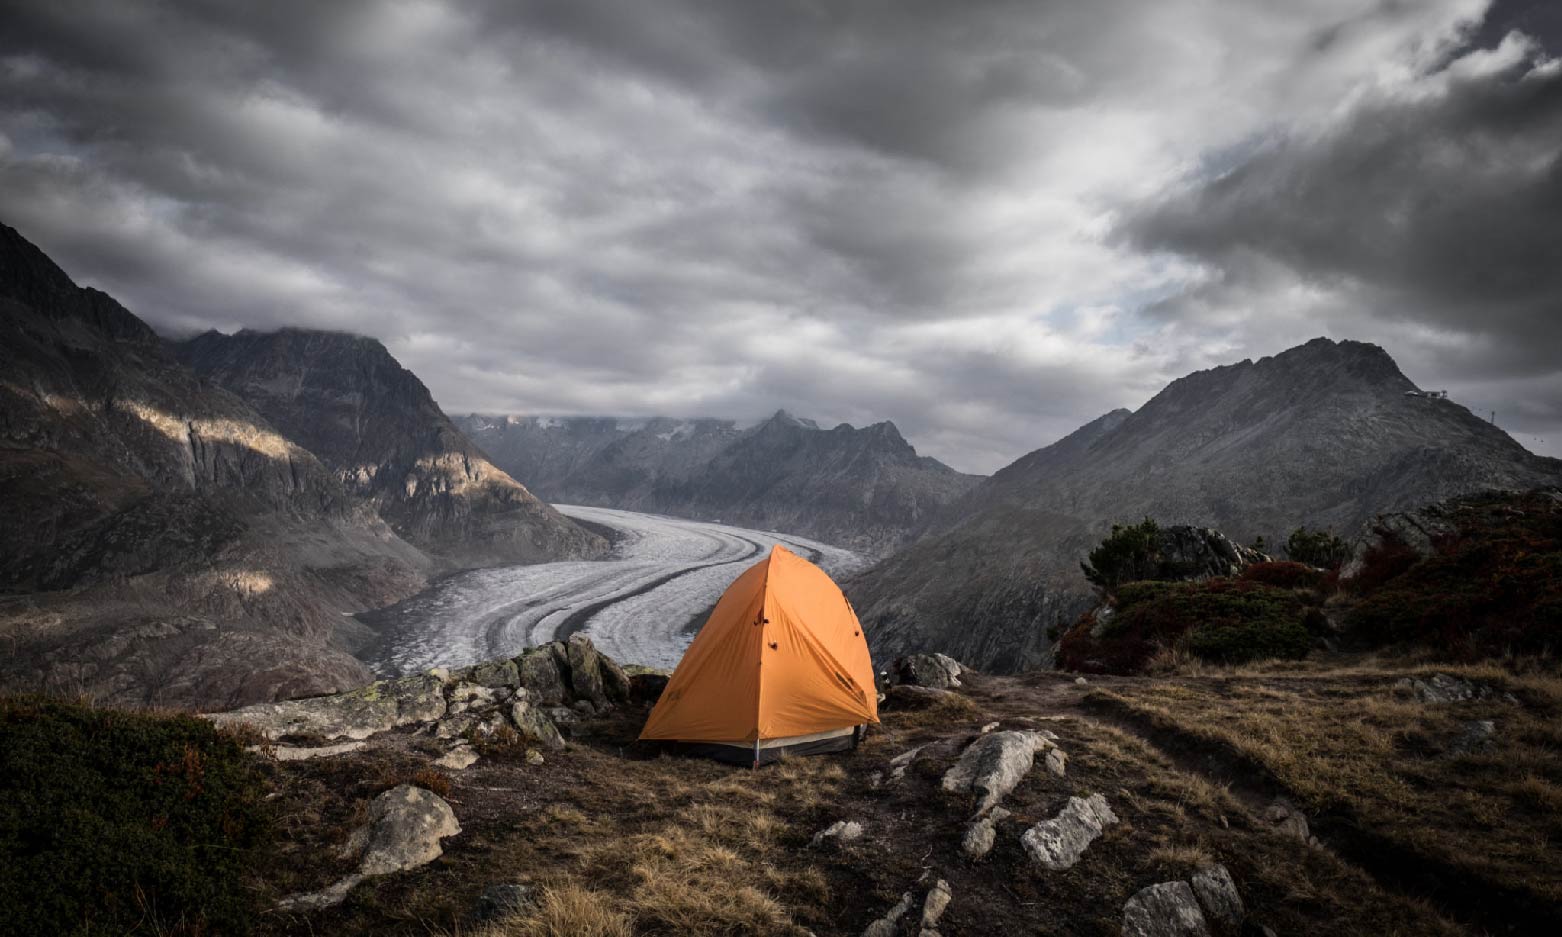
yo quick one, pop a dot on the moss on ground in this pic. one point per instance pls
(115, 822)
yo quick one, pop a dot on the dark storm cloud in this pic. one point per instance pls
(1448, 208)
(854, 210)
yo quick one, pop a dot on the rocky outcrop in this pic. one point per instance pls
(994, 764)
(347, 400)
(1321, 435)
(477, 700)
(1058, 843)
(405, 827)
(866, 489)
(1441, 688)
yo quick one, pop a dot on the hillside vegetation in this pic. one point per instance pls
(1472, 578)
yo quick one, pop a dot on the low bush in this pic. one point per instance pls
(1219, 620)
(1316, 548)
(1284, 575)
(116, 822)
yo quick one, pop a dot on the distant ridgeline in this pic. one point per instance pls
(1326, 435)
(866, 488)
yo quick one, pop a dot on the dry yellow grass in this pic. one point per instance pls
(1346, 743)
(565, 911)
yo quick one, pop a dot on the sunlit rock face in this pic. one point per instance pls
(175, 546)
(347, 400)
(1324, 434)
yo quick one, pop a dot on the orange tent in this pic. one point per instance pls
(781, 666)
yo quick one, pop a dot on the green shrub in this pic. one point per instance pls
(1318, 548)
(1129, 554)
(1221, 620)
(116, 823)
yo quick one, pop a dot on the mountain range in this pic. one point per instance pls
(1326, 434)
(865, 488)
(167, 542)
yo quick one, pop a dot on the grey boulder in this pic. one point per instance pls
(1058, 843)
(993, 765)
(1169, 909)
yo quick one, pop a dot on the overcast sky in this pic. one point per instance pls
(987, 221)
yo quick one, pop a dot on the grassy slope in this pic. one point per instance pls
(625, 843)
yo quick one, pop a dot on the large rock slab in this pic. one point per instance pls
(355, 715)
(1058, 843)
(939, 671)
(993, 765)
(358, 714)
(1165, 910)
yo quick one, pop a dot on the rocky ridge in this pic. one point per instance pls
(866, 489)
(1324, 435)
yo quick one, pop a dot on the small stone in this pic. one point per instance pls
(467, 697)
(885, 926)
(1218, 895)
(498, 901)
(533, 756)
(982, 833)
(585, 707)
(1057, 762)
(989, 727)
(458, 758)
(1476, 736)
(933, 905)
(304, 753)
(1284, 818)
(1165, 910)
(454, 726)
(839, 832)
(1081, 681)
(1058, 843)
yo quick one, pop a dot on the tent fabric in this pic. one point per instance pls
(781, 656)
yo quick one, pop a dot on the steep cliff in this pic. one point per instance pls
(375, 425)
(163, 541)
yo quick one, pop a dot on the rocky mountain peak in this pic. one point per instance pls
(29, 278)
